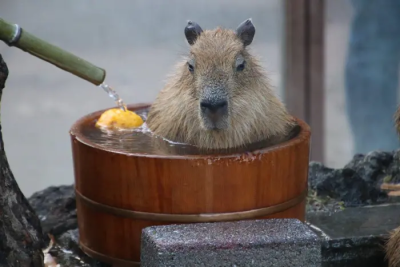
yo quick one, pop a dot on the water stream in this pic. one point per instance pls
(113, 94)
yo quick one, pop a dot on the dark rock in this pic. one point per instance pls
(374, 160)
(67, 252)
(346, 185)
(359, 182)
(317, 173)
(56, 208)
(372, 166)
(393, 171)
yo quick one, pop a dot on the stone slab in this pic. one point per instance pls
(274, 242)
(355, 237)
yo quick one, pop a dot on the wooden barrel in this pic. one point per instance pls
(119, 194)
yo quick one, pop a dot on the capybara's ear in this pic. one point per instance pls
(246, 31)
(192, 31)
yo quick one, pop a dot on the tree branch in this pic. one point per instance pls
(21, 238)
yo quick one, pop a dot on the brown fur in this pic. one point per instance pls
(393, 244)
(393, 248)
(255, 113)
(397, 120)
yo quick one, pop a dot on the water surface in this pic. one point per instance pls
(142, 141)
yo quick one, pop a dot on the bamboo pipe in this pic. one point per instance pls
(13, 35)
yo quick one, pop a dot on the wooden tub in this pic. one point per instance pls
(119, 194)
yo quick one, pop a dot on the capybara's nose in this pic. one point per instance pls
(213, 106)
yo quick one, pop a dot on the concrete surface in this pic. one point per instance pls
(137, 42)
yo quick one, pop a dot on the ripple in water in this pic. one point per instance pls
(141, 140)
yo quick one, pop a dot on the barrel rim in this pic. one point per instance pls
(304, 134)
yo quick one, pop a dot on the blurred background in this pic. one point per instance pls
(137, 42)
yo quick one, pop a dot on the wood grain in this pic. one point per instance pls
(202, 185)
(304, 67)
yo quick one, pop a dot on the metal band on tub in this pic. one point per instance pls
(192, 218)
(108, 259)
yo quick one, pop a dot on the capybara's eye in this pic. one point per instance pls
(240, 67)
(190, 67)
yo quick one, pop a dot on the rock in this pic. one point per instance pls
(371, 167)
(67, 252)
(393, 170)
(273, 242)
(346, 185)
(358, 183)
(317, 173)
(56, 208)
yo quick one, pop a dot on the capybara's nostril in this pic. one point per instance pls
(213, 106)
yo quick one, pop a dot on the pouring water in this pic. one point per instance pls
(113, 94)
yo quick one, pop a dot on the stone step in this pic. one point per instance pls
(257, 243)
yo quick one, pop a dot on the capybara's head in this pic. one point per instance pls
(219, 69)
(219, 96)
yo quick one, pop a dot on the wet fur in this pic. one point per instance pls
(255, 112)
(393, 248)
(393, 244)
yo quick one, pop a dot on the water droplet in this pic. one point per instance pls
(113, 94)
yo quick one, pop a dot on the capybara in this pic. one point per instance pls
(219, 96)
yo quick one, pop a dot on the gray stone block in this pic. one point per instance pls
(273, 242)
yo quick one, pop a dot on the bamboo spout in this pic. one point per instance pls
(13, 35)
